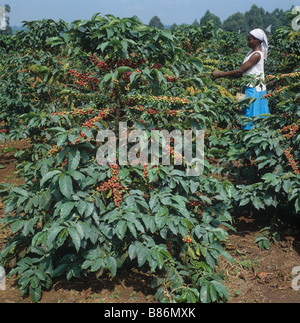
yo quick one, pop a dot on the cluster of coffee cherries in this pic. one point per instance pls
(145, 173)
(82, 79)
(290, 158)
(54, 150)
(159, 99)
(100, 64)
(75, 112)
(188, 239)
(170, 245)
(24, 71)
(115, 185)
(103, 114)
(171, 79)
(291, 130)
(132, 61)
(195, 204)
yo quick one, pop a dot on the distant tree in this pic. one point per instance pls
(236, 23)
(174, 26)
(255, 17)
(280, 15)
(270, 20)
(155, 22)
(196, 23)
(210, 16)
(277, 19)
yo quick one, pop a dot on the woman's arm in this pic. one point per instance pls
(254, 59)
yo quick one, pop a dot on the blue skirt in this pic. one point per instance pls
(259, 107)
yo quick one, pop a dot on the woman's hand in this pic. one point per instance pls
(216, 74)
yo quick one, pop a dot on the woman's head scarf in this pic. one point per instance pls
(260, 35)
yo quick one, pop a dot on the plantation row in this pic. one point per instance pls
(62, 84)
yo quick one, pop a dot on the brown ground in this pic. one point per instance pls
(261, 276)
(255, 276)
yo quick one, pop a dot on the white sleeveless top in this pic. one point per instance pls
(257, 70)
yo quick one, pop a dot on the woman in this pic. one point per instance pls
(253, 65)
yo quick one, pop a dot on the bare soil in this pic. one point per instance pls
(261, 276)
(254, 276)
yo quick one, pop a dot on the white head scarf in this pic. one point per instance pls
(260, 34)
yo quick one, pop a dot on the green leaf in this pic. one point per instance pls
(297, 205)
(196, 62)
(76, 175)
(123, 173)
(61, 139)
(60, 270)
(80, 229)
(20, 191)
(142, 256)
(123, 69)
(89, 208)
(270, 178)
(74, 159)
(153, 202)
(204, 294)
(72, 138)
(221, 289)
(266, 243)
(287, 184)
(28, 226)
(161, 220)
(81, 207)
(121, 229)
(194, 186)
(34, 282)
(66, 186)
(132, 229)
(160, 260)
(53, 232)
(96, 265)
(17, 225)
(133, 76)
(103, 46)
(111, 261)
(212, 293)
(35, 293)
(87, 132)
(132, 251)
(25, 279)
(48, 176)
(66, 209)
(244, 201)
(75, 237)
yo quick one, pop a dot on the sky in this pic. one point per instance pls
(169, 11)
